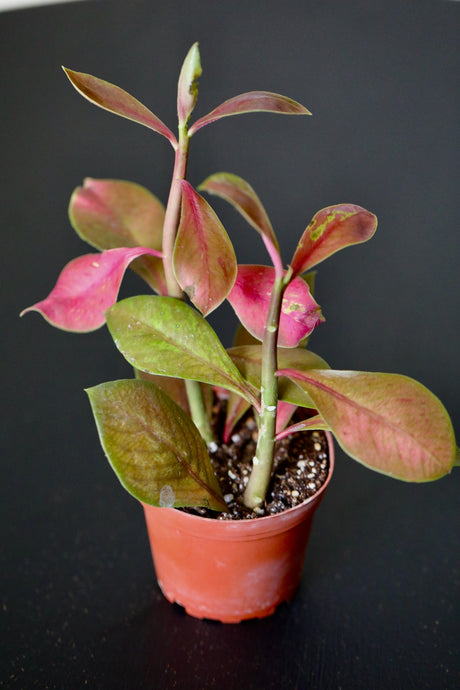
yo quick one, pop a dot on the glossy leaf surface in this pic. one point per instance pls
(250, 298)
(153, 446)
(331, 229)
(114, 213)
(204, 260)
(86, 288)
(388, 422)
(248, 359)
(251, 102)
(163, 335)
(241, 195)
(187, 89)
(115, 100)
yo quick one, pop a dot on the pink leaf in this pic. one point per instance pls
(250, 298)
(284, 413)
(115, 213)
(251, 102)
(331, 229)
(204, 260)
(115, 100)
(241, 195)
(86, 288)
(388, 422)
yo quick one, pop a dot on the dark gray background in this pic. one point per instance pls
(378, 606)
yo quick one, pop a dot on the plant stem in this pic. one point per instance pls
(198, 410)
(263, 459)
(171, 223)
(172, 215)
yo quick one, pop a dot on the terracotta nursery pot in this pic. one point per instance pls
(231, 570)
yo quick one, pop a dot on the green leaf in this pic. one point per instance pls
(163, 335)
(187, 89)
(204, 260)
(251, 102)
(248, 359)
(153, 446)
(115, 100)
(333, 228)
(115, 213)
(388, 422)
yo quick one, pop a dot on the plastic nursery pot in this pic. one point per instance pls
(231, 570)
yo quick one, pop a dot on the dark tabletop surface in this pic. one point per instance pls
(378, 606)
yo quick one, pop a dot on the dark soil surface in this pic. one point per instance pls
(300, 469)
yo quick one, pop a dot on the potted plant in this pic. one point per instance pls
(175, 434)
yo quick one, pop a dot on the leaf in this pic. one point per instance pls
(283, 414)
(243, 337)
(115, 100)
(251, 102)
(204, 260)
(163, 335)
(153, 446)
(250, 298)
(86, 288)
(114, 213)
(248, 360)
(174, 388)
(241, 195)
(315, 422)
(331, 229)
(388, 422)
(236, 408)
(187, 89)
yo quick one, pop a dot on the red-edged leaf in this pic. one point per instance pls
(187, 89)
(115, 213)
(117, 101)
(388, 422)
(331, 229)
(86, 288)
(241, 195)
(251, 102)
(204, 260)
(250, 298)
(284, 413)
(315, 422)
(236, 408)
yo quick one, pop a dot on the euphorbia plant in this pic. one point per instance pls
(155, 428)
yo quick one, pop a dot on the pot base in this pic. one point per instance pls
(231, 570)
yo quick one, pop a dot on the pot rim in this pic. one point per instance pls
(265, 524)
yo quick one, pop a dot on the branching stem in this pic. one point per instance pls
(171, 224)
(263, 459)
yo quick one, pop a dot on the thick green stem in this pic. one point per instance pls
(171, 223)
(263, 460)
